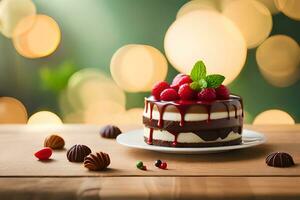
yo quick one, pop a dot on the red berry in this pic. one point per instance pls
(163, 165)
(44, 154)
(169, 95)
(179, 80)
(207, 94)
(144, 168)
(222, 92)
(158, 88)
(186, 93)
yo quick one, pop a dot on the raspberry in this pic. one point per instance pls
(222, 92)
(158, 88)
(44, 154)
(169, 95)
(179, 80)
(185, 92)
(207, 94)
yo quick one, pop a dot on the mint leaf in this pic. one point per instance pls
(198, 85)
(199, 71)
(195, 86)
(202, 82)
(214, 80)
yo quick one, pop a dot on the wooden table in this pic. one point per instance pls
(240, 174)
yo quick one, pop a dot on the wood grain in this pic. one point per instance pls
(240, 174)
(18, 145)
(274, 188)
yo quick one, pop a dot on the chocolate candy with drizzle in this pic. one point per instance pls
(207, 130)
(280, 159)
(78, 152)
(110, 131)
(97, 161)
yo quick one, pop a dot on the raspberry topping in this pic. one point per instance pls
(207, 94)
(169, 95)
(158, 88)
(179, 80)
(186, 93)
(222, 92)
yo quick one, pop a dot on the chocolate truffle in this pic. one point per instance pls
(279, 159)
(97, 161)
(110, 131)
(78, 152)
(54, 142)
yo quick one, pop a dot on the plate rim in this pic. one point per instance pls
(192, 149)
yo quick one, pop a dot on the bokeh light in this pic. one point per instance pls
(273, 116)
(12, 111)
(101, 115)
(90, 86)
(252, 18)
(102, 112)
(278, 59)
(44, 118)
(136, 68)
(198, 5)
(12, 12)
(130, 117)
(290, 8)
(221, 46)
(40, 40)
(270, 4)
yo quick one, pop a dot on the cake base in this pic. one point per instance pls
(181, 145)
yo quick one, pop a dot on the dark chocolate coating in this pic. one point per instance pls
(78, 152)
(97, 161)
(110, 131)
(280, 159)
(180, 145)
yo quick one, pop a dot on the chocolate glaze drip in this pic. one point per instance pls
(280, 159)
(183, 106)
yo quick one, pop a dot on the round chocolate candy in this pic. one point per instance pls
(97, 161)
(280, 159)
(54, 142)
(78, 152)
(157, 163)
(110, 131)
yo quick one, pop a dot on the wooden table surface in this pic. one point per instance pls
(240, 174)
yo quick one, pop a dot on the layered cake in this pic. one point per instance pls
(196, 110)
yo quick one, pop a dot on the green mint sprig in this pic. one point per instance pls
(201, 80)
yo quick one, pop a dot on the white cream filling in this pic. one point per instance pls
(172, 116)
(185, 137)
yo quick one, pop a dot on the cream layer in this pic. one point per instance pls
(175, 116)
(185, 137)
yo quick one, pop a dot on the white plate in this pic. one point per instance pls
(135, 139)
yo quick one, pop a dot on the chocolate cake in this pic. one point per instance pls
(204, 117)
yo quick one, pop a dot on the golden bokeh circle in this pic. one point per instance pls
(290, 8)
(44, 118)
(252, 18)
(135, 67)
(40, 40)
(12, 12)
(270, 4)
(209, 36)
(273, 116)
(12, 111)
(195, 5)
(89, 87)
(278, 59)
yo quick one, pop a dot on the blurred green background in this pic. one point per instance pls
(92, 30)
